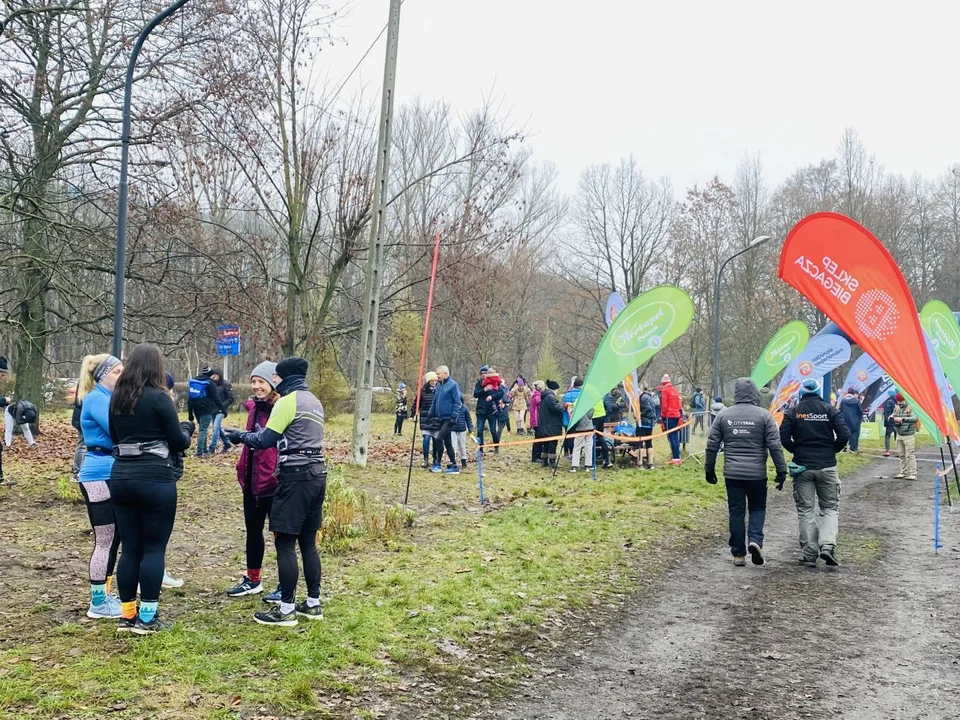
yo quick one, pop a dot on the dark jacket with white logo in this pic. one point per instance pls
(747, 433)
(814, 432)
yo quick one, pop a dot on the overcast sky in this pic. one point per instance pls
(687, 86)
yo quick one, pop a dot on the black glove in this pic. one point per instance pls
(188, 427)
(712, 477)
(780, 480)
(235, 437)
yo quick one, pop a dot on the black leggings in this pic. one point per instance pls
(287, 563)
(145, 510)
(255, 513)
(600, 444)
(398, 425)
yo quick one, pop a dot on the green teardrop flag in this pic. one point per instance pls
(644, 327)
(944, 332)
(788, 342)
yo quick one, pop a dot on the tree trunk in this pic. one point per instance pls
(31, 333)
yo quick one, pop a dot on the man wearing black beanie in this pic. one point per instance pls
(296, 428)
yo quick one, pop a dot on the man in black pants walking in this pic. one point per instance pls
(296, 427)
(747, 433)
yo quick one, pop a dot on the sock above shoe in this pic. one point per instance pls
(148, 610)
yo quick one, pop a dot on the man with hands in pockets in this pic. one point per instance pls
(747, 433)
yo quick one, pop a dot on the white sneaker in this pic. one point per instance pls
(170, 582)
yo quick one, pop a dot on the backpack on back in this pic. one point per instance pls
(198, 388)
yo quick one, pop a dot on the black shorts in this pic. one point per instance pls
(644, 431)
(298, 502)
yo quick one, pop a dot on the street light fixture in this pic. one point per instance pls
(757, 241)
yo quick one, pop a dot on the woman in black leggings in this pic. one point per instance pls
(147, 436)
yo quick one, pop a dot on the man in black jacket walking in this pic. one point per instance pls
(747, 433)
(815, 432)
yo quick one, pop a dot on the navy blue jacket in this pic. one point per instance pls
(447, 400)
(464, 421)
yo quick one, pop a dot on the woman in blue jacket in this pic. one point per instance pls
(98, 377)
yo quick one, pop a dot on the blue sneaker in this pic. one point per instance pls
(109, 609)
(452, 470)
(436, 469)
(272, 597)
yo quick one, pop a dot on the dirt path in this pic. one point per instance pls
(876, 639)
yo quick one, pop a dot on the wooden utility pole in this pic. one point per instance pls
(371, 290)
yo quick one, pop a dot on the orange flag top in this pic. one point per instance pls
(839, 266)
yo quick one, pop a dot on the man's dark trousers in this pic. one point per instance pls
(741, 495)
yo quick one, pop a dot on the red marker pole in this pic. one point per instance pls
(423, 361)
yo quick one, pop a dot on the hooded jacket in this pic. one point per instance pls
(464, 421)
(648, 410)
(670, 405)
(852, 412)
(747, 433)
(889, 406)
(814, 432)
(551, 414)
(257, 469)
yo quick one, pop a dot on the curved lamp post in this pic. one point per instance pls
(757, 241)
(119, 286)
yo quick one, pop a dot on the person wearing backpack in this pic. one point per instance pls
(203, 406)
(228, 399)
(698, 404)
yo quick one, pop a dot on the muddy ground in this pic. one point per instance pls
(877, 638)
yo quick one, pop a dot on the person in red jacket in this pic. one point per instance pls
(257, 475)
(671, 411)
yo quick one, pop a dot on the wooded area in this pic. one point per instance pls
(251, 189)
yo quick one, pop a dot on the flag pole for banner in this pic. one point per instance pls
(953, 461)
(946, 478)
(936, 511)
(556, 463)
(423, 360)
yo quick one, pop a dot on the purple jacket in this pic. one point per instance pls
(535, 409)
(257, 469)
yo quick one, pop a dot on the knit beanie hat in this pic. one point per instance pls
(899, 398)
(578, 382)
(810, 386)
(265, 371)
(553, 385)
(292, 367)
(430, 376)
(171, 381)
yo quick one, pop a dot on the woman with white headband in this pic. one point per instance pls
(98, 377)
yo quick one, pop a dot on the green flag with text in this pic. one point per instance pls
(644, 327)
(788, 342)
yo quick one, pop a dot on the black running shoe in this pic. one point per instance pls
(828, 555)
(312, 613)
(246, 587)
(149, 628)
(273, 616)
(272, 597)
(756, 553)
(126, 625)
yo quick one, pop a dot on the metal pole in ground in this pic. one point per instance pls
(483, 500)
(953, 461)
(946, 477)
(936, 511)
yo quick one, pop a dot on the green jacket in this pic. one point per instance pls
(908, 421)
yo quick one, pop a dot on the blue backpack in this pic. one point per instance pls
(198, 388)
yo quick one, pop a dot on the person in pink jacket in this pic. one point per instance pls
(257, 475)
(535, 398)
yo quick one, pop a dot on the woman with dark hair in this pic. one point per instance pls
(147, 435)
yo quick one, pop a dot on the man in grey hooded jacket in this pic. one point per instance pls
(747, 433)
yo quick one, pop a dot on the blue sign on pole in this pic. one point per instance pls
(228, 340)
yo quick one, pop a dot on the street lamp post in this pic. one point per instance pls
(119, 286)
(716, 310)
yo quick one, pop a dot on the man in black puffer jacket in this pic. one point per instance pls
(747, 433)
